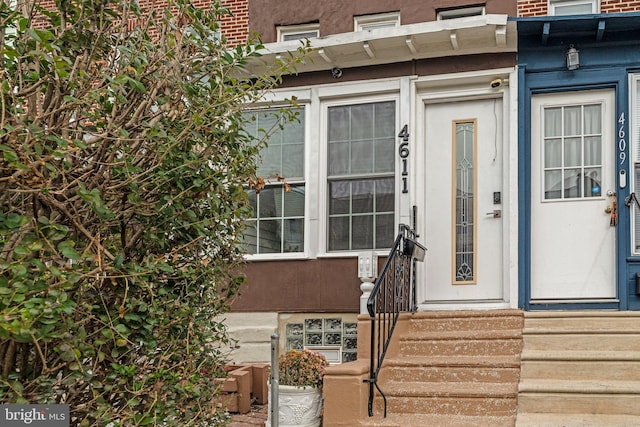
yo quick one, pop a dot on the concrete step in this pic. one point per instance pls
(565, 403)
(576, 420)
(580, 387)
(435, 420)
(575, 370)
(469, 320)
(450, 405)
(579, 355)
(455, 346)
(452, 369)
(585, 342)
(582, 320)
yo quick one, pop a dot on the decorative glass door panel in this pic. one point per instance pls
(464, 200)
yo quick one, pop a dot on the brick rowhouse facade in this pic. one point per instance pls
(234, 27)
(528, 8)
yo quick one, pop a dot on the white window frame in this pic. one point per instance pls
(323, 244)
(376, 21)
(293, 30)
(553, 4)
(304, 254)
(463, 12)
(634, 130)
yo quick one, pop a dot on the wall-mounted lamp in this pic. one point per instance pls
(573, 58)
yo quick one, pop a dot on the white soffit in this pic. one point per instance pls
(434, 39)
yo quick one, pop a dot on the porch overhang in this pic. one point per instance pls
(455, 37)
(618, 28)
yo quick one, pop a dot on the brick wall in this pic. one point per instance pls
(234, 28)
(539, 7)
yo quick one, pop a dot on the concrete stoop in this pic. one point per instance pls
(454, 369)
(580, 369)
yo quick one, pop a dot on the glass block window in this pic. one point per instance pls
(465, 202)
(361, 169)
(277, 221)
(324, 332)
(572, 152)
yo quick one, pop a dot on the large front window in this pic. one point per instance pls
(277, 223)
(361, 183)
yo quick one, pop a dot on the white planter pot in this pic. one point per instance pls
(300, 407)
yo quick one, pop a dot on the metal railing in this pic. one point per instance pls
(393, 293)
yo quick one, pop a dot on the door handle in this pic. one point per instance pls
(496, 213)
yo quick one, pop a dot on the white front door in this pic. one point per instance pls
(572, 184)
(463, 201)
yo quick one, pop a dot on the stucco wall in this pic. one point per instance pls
(336, 16)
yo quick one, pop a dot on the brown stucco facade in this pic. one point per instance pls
(317, 285)
(336, 16)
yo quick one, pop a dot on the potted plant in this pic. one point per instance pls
(300, 388)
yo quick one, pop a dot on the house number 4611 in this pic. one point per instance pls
(403, 151)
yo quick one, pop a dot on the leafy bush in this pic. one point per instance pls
(122, 164)
(302, 368)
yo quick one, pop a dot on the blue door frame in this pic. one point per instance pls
(609, 52)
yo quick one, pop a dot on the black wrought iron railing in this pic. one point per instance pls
(393, 293)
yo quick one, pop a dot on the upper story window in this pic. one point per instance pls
(461, 12)
(277, 223)
(573, 7)
(361, 176)
(377, 21)
(298, 32)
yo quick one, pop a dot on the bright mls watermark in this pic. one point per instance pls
(34, 415)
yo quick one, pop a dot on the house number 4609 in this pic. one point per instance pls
(403, 151)
(622, 142)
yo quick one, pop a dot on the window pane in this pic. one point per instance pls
(338, 158)
(294, 201)
(362, 121)
(592, 119)
(572, 121)
(592, 184)
(340, 201)
(593, 150)
(269, 236)
(339, 124)
(553, 153)
(250, 237)
(572, 183)
(339, 233)
(573, 152)
(385, 231)
(385, 120)
(552, 185)
(552, 122)
(253, 202)
(384, 155)
(361, 157)
(362, 232)
(294, 235)
(293, 164)
(385, 195)
(362, 196)
(270, 202)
